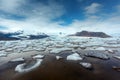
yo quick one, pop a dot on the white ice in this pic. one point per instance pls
(58, 57)
(20, 67)
(38, 56)
(86, 65)
(74, 56)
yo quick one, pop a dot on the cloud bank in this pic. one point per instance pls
(42, 17)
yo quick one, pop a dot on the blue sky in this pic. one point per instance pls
(54, 16)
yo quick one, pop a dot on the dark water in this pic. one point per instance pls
(52, 69)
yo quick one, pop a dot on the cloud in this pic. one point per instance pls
(104, 23)
(93, 8)
(118, 8)
(39, 17)
(95, 25)
(45, 11)
(11, 6)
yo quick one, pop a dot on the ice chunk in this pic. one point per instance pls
(117, 57)
(58, 57)
(9, 50)
(20, 68)
(58, 50)
(97, 55)
(74, 56)
(100, 48)
(18, 59)
(86, 65)
(38, 56)
(110, 51)
(3, 54)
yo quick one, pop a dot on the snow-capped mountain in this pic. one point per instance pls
(19, 35)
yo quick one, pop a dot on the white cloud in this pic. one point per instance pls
(11, 6)
(93, 8)
(42, 11)
(109, 25)
(39, 17)
(118, 7)
(96, 25)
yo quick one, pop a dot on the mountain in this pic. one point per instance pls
(9, 36)
(19, 35)
(91, 34)
(38, 36)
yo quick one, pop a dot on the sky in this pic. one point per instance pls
(54, 16)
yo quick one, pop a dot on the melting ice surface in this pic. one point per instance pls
(56, 44)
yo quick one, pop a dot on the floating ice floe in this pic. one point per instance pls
(27, 49)
(3, 54)
(39, 49)
(9, 50)
(18, 59)
(20, 68)
(97, 55)
(58, 57)
(100, 48)
(112, 42)
(110, 51)
(83, 47)
(59, 46)
(74, 56)
(117, 57)
(58, 50)
(38, 56)
(86, 65)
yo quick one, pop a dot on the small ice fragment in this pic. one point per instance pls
(3, 54)
(18, 59)
(100, 48)
(74, 56)
(58, 57)
(86, 65)
(117, 57)
(38, 56)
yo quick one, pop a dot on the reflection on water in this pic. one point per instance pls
(52, 69)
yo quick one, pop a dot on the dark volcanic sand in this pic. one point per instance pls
(52, 69)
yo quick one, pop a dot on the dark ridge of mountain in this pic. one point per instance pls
(38, 36)
(91, 34)
(9, 36)
(19, 35)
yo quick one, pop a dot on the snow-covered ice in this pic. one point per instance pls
(57, 44)
(58, 50)
(74, 56)
(117, 57)
(86, 65)
(100, 48)
(3, 53)
(58, 57)
(38, 56)
(97, 55)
